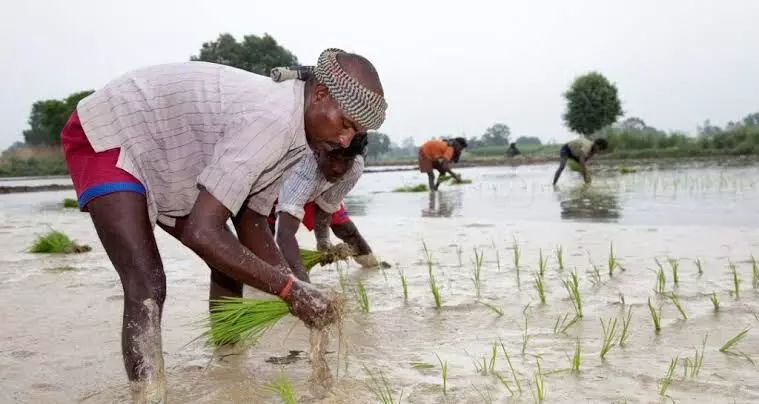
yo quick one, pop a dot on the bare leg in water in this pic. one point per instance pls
(131, 247)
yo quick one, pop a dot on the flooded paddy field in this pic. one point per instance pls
(60, 339)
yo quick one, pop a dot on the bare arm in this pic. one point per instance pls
(348, 232)
(288, 244)
(321, 228)
(583, 169)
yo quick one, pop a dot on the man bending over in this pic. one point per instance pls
(189, 145)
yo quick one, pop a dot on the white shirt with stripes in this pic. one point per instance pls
(188, 125)
(306, 183)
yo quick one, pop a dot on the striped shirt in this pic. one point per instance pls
(306, 183)
(184, 126)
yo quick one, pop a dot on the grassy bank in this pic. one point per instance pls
(32, 162)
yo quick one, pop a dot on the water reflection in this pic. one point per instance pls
(357, 205)
(443, 204)
(589, 202)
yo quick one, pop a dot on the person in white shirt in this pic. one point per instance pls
(312, 194)
(580, 151)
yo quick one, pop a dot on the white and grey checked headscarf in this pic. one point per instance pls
(356, 101)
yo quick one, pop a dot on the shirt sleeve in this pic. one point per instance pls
(329, 200)
(246, 151)
(299, 187)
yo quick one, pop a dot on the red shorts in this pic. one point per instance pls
(339, 217)
(93, 174)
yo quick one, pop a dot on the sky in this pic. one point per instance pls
(447, 69)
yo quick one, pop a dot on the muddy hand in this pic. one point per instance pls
(312, 306)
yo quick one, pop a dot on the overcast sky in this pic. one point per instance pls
(446, 70)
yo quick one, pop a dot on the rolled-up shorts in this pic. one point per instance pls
(339, 217)
(427, 165)
(566, 152)
(94, 174)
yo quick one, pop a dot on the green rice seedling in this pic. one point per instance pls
(540, 287)
(525, 336)
(362, 297)
(733, 341)
(404, 285)
(243, 320)
(56, 242)
(675, 265)
(380, 387)
(754, 273)
(595, 274)
(444, 374)
(495, 309)
(435, 291)
(282, 387)
(70, 203)
(458, 253)
(561, 325)
(504, 382)
(612, 262)
(511, 366)
(665, 382)
(572, 285)
(625, 327)
(609, 331)
(655, 316)
(65, 268)
(699, 266)
(693, 368)
(477, 270)
(427, 256)
(421, 365)
(487, 365)
(736, 281)
(540, 391)
(661, 281)
(412, 188)
(516, 253)
(541, 263)
(715, 301)
(574, 362)
(560, 257)
(676, 302)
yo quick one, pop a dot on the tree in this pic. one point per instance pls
(528, 140)
(633, 123)
(254, 54)
(592, 104)
(496, 135)
(751, 119)
(379, 144)
(48, 118)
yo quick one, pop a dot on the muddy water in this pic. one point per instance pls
(60, 338)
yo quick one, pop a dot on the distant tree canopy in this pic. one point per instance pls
(592, 104)
(379, 144)
(528, 140)
(48, 118)
(254, 54)
(496, 135)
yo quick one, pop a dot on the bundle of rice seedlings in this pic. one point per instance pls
(412, 188)
(339, 252)
(69, 203)
(57, 243)
(243, 320)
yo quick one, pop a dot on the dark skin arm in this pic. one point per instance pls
(321, 228)
(350, 235)
(206, 234)
(444, 167)
(288, 244)
(347, 232)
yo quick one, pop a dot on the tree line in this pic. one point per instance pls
(592, 110)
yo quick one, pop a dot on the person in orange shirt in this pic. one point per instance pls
(438, 155)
